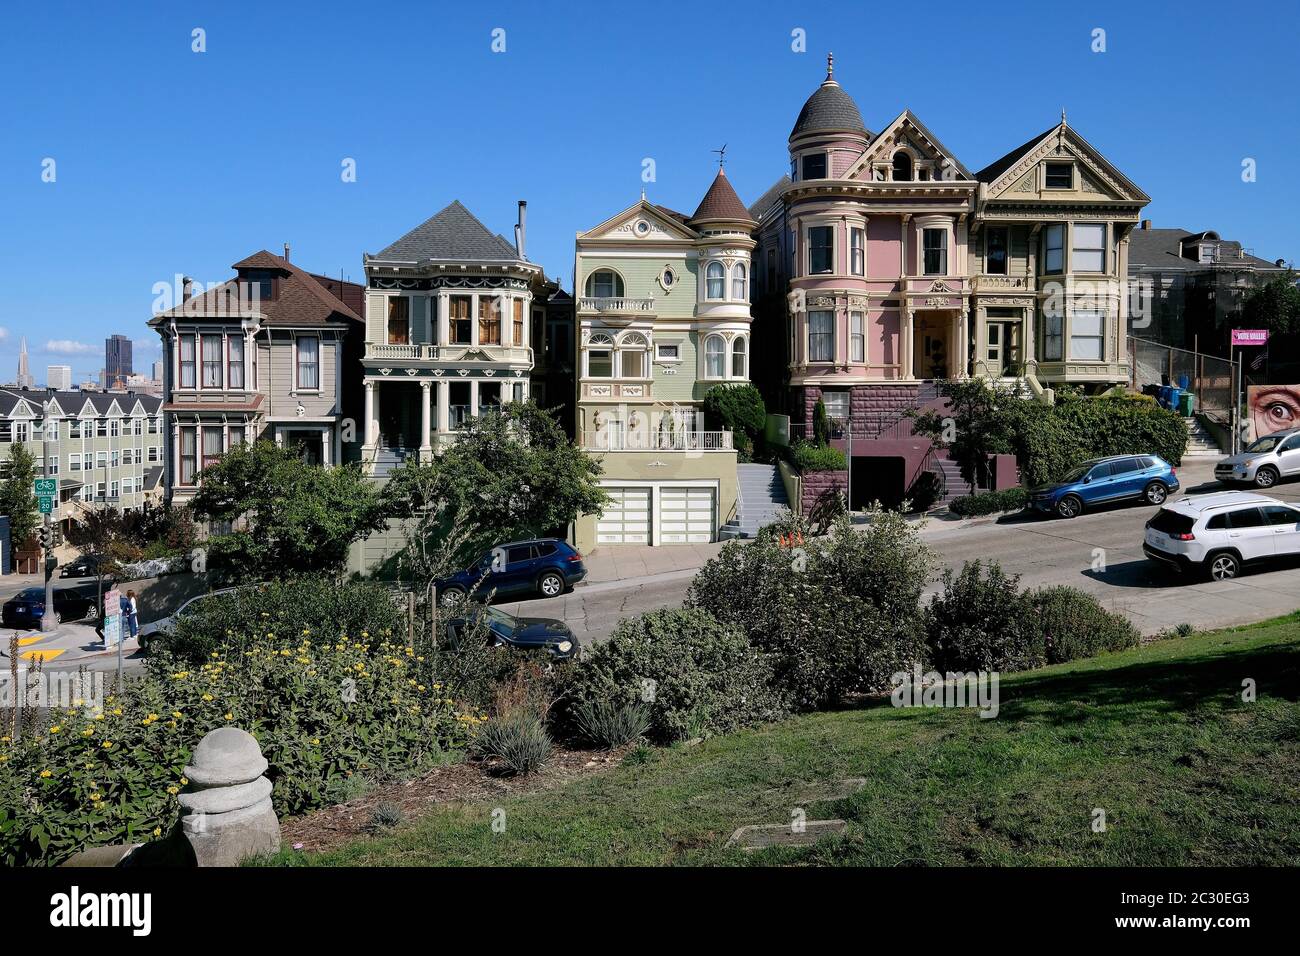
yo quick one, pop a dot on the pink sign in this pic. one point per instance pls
(1249, 336)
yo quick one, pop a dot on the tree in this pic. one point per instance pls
(738, 407)
(1274, 306)
(287, 517)
(103, 532)
(16, 497)
(980, 421)
(161, 530)
(511, 474)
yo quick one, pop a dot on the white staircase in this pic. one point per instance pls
(1200, 443)
(761, 497)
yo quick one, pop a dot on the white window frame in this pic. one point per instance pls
(739, 350)
(830, 359)
(1099, 336)
(720, 354)
(710, 278)
(1048, 231)
(740, 282)
(1076, 249)
(857, 251)
(858, 338)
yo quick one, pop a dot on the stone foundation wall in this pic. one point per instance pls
(816, 483)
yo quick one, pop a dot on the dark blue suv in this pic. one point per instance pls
(544, 566)
(1144, 477)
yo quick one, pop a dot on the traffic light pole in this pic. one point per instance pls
(48, 618)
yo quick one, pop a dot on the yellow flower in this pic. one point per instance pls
(315, 742)
(173, 790)
(99, 716)
(95, 796)
(176, 714)
(108, 745)
(56, 728)
(117, 712)
(230, 716)
(270, 636)
(157, 831)
(46, 774)
(87, 732)
(208, 697)
(184, 781)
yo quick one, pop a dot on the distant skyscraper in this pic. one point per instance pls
(117, 359)
(25, 379)
(157, 371)
(58, 377)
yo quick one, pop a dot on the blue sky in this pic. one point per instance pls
(170, 161)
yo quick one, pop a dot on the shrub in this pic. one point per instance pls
(320, 606)
(325, 712)
(518, 740)
(738, 407)
(806, 456)
(1067, 624)
(924, 491)
(978, 622)
(609, 724)
(989, 502)
(695, 675)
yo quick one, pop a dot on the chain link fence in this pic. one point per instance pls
(1207, 377)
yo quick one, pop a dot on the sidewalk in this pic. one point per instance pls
(64, 647)
(619, 562)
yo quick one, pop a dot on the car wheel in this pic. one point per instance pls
(451, 595)
(1266, 477)
(1155, 493)
(551, 584)
(1224, 566)
(1070, 506)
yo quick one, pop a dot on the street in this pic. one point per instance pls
(1099, 552)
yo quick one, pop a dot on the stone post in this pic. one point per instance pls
(226, 813)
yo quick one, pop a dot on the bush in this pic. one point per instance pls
(696, 676)
(608, 724)
(977, 623)
(325, 712)
(989, 502)
(320, 606)
(738, 407)
(518, 740)
(806, 456)
(1068, 624)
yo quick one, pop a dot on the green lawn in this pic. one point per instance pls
(1159, 737)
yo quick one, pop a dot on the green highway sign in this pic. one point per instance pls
(45, 486)
(46, 504)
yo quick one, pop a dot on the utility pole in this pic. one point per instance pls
(48, 617)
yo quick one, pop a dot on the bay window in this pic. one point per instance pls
(1087, 336)
(308, 361)
(1054, 248)
(234, 367)
(517, 320)
(459, 322)
(714, 357)
(187, 361)
(715, 281)
(489, 320)
(821, 336)
(821, 249)
(211, 361)
(1088, 251)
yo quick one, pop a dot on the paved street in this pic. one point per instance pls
(1042, 551)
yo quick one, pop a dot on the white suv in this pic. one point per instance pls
(1220, 533)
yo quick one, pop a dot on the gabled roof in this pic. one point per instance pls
(769, 198)
(1067, 134)
(1162, 250)
(884, 140)
(450, 235)
(301, 299)
(673, 222)
(69, 403)
(721, 203)
(1000, 165)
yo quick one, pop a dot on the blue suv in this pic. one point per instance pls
(1118, 478)
(543, 566)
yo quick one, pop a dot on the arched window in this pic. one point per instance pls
(600, 357)
(902, 167)
(605, 284)
(739, 283)
(716, 284)
(715, 355)
(739, 356)
(632, 356)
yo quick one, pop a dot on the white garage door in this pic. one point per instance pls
(686, 515)
(627, 517)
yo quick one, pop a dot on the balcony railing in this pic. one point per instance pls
(622, 439)
(385, 350)
(615, 305)
(424, 352)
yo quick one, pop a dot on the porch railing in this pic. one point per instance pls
(621, 439)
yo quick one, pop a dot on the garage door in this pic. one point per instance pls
(627, 517)
(686, 515)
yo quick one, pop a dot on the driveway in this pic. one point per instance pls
(1099, 552)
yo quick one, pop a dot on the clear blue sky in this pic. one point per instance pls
(170, 161)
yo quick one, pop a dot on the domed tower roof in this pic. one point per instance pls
(721, 203)
(829, 109)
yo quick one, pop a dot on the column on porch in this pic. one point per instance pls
(907, 339)
(444, 312)
(372, 423)
(444, 406)
(962, 368)
(426, 449)
(473, 397)
(979, 366)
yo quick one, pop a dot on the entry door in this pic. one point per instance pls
(686, 515)
(626, 519)
(1004, 348)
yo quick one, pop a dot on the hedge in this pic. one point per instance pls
(806, 456)
(989, 502)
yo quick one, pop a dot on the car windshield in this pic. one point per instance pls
(499, 617)
(1075, 474)
(1267, 443)
(32, 594)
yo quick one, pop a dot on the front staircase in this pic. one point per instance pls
(954, 485)
(761, 497)
(1200, 442)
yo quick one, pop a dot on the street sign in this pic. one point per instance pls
(45, 487)
(46, 504)
(1250, 337)
(112, 617)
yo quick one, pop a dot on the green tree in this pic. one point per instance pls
(16, 497)
(103, 533)
(1274, 306)
(738, 407)
(981, 420)
(287, 517)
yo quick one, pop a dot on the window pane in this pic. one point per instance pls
(1060, 175)
(821, 249)
(308, 362)
(1054, 249)
(489, 320)
(212, 361)
(600, 363)
(235, 371)
(837, 405)
(814, 166)
(1089, 247)
(717, 281)
(738, 369)
(996, 252)
(821, 336)
(714, 354)
(738, 283)
(399, 320)
(1086, 337)
(633, 363)
(935, 242)
(857, 338)
(857, 252)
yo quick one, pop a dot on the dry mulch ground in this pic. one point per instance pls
(466, 782)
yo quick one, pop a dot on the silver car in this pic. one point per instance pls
(1265, 461)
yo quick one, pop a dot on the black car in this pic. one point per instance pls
(524, 633)
(26, 608)
(86, 566)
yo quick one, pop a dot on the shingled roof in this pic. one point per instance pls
(768, 199)
(721, 202)
(452, 234)
(1000, 165)
(829, 108)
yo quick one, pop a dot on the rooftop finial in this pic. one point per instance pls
(722, 155)
(830, 66)
(1062, 115)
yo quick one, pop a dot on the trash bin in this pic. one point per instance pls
(1174, 392)
(1185, 404)
(1162, 397)
(1184, 382)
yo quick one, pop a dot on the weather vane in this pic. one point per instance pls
(722, 155)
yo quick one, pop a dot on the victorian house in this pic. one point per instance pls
(450, 313)
(889, 265)
(270, 354)
(663, 315)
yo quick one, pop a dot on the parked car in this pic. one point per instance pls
(544, 566)
(525, 633)
(1218, 534)
(86, 566)
(27, 607)
(1146, 478)
(1265, 461)
(155, 630)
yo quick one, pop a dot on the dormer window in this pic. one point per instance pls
(260, 284)
(1207, 252)
(902, 170)
(1060, 176)
(814, 166)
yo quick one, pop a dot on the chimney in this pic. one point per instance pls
(521, 228)
(187, 289)
(286, 252)
(1146, 223)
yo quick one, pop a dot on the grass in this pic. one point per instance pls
(1159, 737)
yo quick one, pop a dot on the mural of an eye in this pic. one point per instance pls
(1273, 408)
